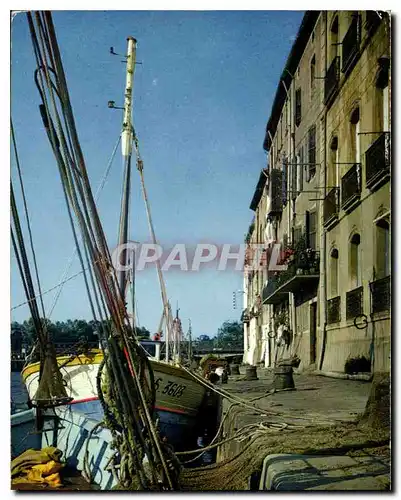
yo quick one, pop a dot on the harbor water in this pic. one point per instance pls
(19, 394)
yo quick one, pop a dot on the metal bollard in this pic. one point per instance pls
(234, 369)
(283, 378)
(250, 373)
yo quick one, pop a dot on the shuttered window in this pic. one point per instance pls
(297, 234)
(294, 168)
(311, 225)
(311, 152)
(300, 170)
(285, 180)
(298, 109)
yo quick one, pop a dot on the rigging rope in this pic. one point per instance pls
(27, 216)
(71, 259)
(166, 306)
(127, 365)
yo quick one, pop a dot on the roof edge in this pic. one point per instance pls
(305, 30)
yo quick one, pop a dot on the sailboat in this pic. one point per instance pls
(181, 401)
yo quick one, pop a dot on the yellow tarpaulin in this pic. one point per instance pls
(37, 466)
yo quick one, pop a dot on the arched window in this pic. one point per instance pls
(334, 272)
(355, 261)
(382, 95)
(355, 141)
(383, 266)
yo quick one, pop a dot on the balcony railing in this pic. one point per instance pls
(332, 80)
(381, 295)
(302, 269)
(354, 303)
(351, 187)
(245, 316)
(276, 192)
(334, 310)
(377, 160)
(331, 207)
(350, 45)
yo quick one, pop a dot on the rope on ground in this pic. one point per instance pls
(245, 404)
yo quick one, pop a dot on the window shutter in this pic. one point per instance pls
(307, 228)
(294, 171)
(298, 107)
(311, 152)
(285, 180)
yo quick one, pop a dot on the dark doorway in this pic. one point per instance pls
(313, 325)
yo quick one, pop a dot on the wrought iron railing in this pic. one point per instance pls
(305, 262)
(381, 295)
(269, 288)
(332, 79)
(377, 160)
(276, 192)
(351, 186)
(245, 316)
(350, 45)
(334, 310)
(354, 303)
(331, 206)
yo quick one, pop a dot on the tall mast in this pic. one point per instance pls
(126, 143)
(190, 341)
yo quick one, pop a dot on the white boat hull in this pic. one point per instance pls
(179, 398)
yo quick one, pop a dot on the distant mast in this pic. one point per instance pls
(126, 143)
(190, 341)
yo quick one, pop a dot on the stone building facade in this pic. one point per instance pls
(325, 198)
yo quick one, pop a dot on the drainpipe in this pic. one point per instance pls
(323, 239)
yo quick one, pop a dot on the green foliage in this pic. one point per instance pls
(142, 333)
(65, 332)
(230, 334)
(206, 357)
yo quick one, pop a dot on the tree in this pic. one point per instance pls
(204, 338)
(142, 332)
(230, 334)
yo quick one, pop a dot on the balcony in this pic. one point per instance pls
(377, 161)
(380, 295)
(334, 310)
(331, 207)
(351, 188)
(276, 192)
(350, 45)
(301, 274)
(354, 303)
(245, 316)
(331, 81)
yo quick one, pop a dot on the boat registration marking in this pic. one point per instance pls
(171, 388)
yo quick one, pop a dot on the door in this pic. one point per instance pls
(313, 325)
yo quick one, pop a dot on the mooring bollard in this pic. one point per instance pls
(250, 373)
(234, 369)
(283, 378)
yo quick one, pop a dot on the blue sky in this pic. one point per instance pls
(202, 98)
